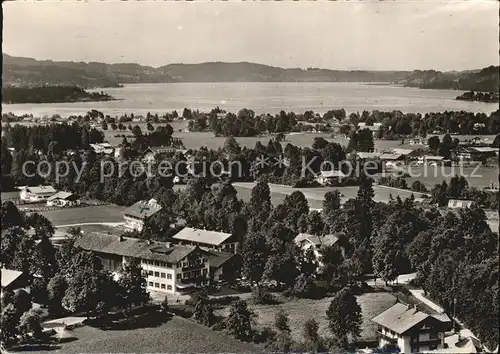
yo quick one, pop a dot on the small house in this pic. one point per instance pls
(63, 199)
(459, 203)
(36, 194)
(328, 177)
(411, 329)
(315, 243)
(136, 215)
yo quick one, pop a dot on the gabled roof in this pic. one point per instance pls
(215, 238)
(400, 318)
(367, 155)
(217, 259)
(332, 174)
(484, 149)
(134, 247)
(318, 241)
(8, 276)
(61, 195)
(391, 156)
(402, 151)
(143, 209)
(434, 158)
(41, 189)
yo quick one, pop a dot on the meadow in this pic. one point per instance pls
(300, 310)
(90, 214)
(177, 335)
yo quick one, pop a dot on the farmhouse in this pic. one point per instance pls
(136, 215)
(457, 203)
(37, 194)
(374, 128)
(315, 243)
(411, 329)
(13, 280)
(63, 199)
(151, 153)
(168, 268)
(328, 177)
(367, 155)
(209, 240)
(430, 159)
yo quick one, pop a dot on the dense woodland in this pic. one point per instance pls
(50, 94)
(394, 125)
(490, 97)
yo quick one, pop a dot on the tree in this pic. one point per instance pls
(30, 324)
(85, 140)
(9, 321)
(203, 311)
(433, 143)
(418, 186)
(239, 321)
(304, 286)
(133, 284)
(150, 127)
(331, 202)
(344, 316)
(315, 223)
(46, 264)
(56, 289)
(136, 130)
(10, 216)
(254, 256)
(281, 321)
(311, 337)
(104, 125)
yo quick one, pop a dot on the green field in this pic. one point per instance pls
(89, 214)
(300, 310)
(177, 335)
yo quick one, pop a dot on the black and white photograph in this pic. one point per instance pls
(250, 176)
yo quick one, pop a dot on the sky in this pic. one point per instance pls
(403, 35)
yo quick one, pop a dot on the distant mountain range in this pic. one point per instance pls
(18, 71)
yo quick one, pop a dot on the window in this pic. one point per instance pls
(205, 271)
(150, 283)
(162, 286)
(157, 274)
(169, 287)
(157, 285)
(163, 275)
(179, 276)
(150, 272)
(433, 335)
(169, 276)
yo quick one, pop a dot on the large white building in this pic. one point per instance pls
(410, 329)
(168, 268)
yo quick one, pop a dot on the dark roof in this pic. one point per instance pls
(217, 259)
(143, 209)
(400, 318)
(133, 247)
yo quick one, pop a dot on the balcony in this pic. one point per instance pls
(387, 337)
(193, 267)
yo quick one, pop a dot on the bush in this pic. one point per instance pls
(223, 300)
(262, 296)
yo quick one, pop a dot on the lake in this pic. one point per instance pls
(262, 98)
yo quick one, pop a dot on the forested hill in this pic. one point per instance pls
(251, 72)
(486, 79)
(31, 72)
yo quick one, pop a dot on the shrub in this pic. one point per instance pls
(262, 296)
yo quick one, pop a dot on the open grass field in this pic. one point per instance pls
(177, 335)
(89, 214)
(96, 228)
(315, 196)
(300, 310)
